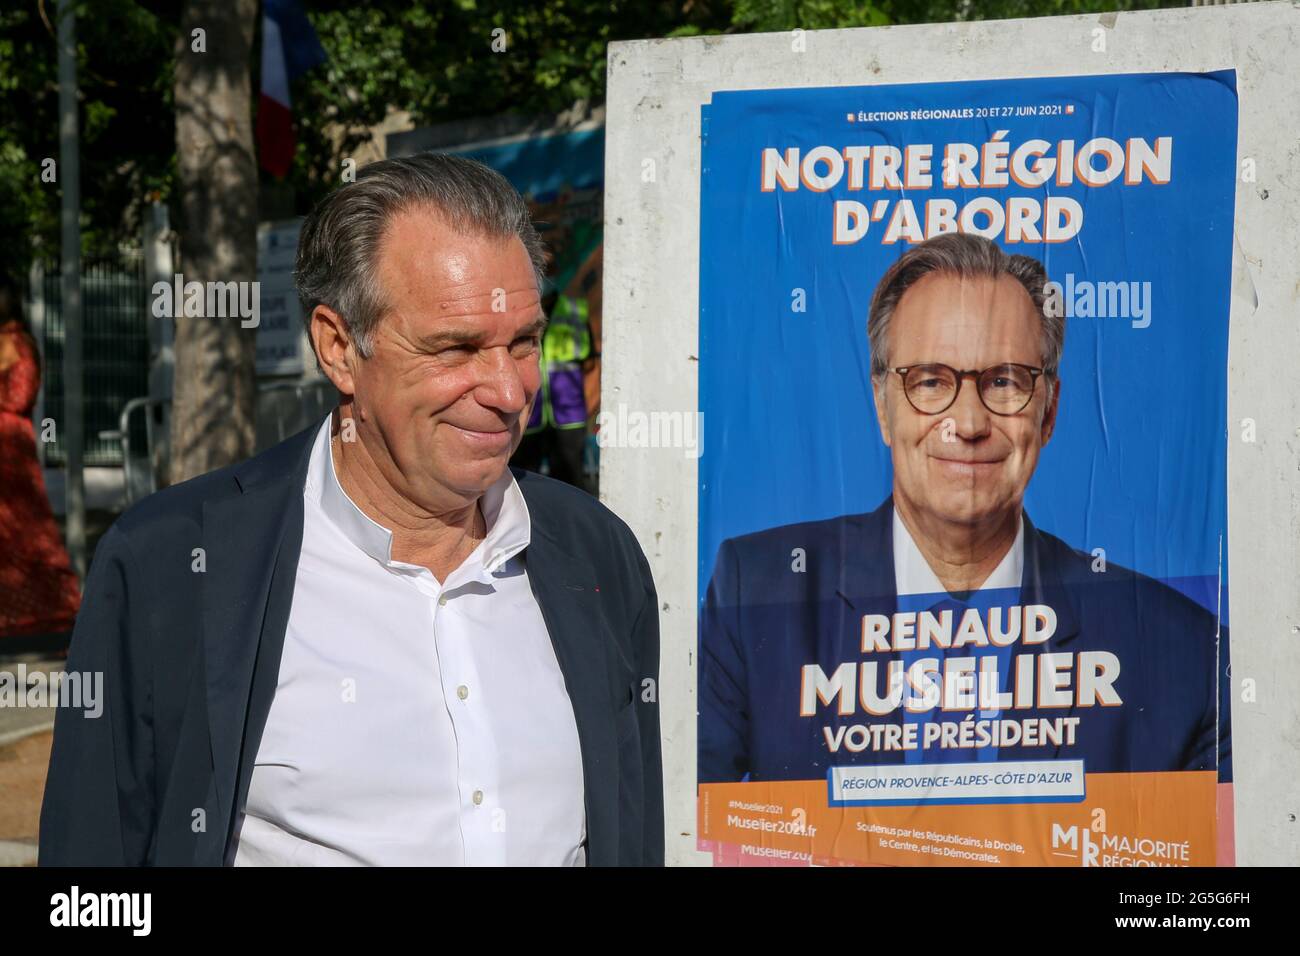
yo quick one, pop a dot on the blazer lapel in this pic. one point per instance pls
(564, 585)
(1041, 584)
(866, 560)
(251, 562)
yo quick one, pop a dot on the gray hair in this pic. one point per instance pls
(967, 256)
(338, 248)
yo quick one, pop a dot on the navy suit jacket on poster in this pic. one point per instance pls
(190, 662)
(763, 621)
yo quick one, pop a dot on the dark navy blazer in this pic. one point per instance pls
(190, 662)
(763, 621)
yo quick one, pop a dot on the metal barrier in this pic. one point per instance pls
(286, 408)
(134, 487)
(283, 409)
(115, 346)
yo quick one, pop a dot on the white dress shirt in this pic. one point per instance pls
(414, 722)
(913, 574)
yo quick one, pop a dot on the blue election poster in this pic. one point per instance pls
(963, 381)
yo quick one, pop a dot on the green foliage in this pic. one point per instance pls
(433, 59)
(759, 16)
(127, 144)
(768, 16)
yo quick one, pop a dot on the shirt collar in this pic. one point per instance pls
(913, 575)
(505, 513)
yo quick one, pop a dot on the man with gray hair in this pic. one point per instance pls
(375, 643)
(836, 643)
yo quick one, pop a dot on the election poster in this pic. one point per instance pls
(962, 542)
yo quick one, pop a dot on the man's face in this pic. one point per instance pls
(966, 465)
(454, 364)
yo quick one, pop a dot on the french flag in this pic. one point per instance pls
(290, 48)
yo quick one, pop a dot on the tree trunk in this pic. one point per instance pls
(214, 395)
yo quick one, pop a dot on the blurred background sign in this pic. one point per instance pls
(281, 345)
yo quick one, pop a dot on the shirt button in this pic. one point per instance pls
(462, 691)
(442, 601)
(478, 797)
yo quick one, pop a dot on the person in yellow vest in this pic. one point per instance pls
(557, 428)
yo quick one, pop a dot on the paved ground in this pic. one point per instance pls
(25, 735)
(18, 721)
(22, 782)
